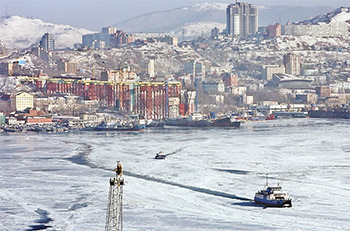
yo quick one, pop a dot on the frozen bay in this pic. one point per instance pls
(60, 181)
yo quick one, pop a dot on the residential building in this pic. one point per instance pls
(6, 68)
(5, 103)
(269, 70)
(90, 40)
(47, 42)
(215, 33)
(68, 66)
(213, 87)
(318, 30)
(230, 80)
(174, 103)
(194, 68)
(121, 38)
(241, 90)
(170, 40)
(21, 101)
(190, 67)
(111, 76)
(274, 30)
(109, 30)
(241, 19)
(323, 91)
(322, 28)
(292, 63)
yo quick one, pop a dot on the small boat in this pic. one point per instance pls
(160, 155)
(270, 117)
(273, 197)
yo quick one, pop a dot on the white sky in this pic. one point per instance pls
(93, 14)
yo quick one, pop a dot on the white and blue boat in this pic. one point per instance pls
(273, 197)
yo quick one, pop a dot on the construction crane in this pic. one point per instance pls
(114, 216)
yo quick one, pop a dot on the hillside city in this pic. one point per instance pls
(246, 71)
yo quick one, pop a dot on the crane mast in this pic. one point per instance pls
(114, 221)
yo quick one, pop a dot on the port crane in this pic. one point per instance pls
(114, 217)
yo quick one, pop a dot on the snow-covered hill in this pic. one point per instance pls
(195, 29)
(19, 32)
(341, 14)
(174, 20)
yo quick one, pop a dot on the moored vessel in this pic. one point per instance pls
(337, 113)
(225, 122)
(120, 127)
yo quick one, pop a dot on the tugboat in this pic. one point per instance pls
(160, 155)
(273, 197)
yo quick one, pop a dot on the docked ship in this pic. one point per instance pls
(155, 123)
(273, 197)
(181, 122)
(198, 120)
(119, 127)
(225, 122)
(195, 120)
(290, 114)
(338, 113)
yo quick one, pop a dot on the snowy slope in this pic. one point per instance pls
(19, 32)
(341, 14)
(196, 29)
(212, 12)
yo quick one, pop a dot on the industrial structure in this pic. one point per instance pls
(114, 217)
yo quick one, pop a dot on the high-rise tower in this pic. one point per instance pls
(292, 63)
(47, 42)
(241, 19)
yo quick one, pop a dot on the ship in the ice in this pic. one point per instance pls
(335, 113)
(273, 197)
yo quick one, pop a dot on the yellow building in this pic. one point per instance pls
(21, 100)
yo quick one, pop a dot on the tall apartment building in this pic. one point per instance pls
(241, 19)
(47, 42)
(292, 63)
(109, 30)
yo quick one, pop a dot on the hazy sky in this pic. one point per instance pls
(93, 14)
